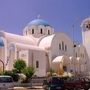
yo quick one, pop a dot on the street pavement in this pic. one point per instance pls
(28, 88)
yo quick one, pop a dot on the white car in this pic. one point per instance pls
(6, 82)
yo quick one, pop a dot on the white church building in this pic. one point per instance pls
(42, 48)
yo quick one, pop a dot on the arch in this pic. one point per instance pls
(60, 64)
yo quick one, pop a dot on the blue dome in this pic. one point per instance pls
(38, 22)
(1, 42)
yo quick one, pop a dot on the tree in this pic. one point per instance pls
(19, 65)
(28, 71)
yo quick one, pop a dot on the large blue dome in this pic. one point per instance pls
(1, 42)
(38, 22)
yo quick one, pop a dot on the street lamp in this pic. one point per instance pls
(2, 64)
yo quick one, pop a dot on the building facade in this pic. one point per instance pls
(43, 49)
(85, 25)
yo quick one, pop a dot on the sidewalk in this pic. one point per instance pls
(36, 87)
(26, 88)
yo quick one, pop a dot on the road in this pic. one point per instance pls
(23, 88)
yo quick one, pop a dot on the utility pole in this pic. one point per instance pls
(73, 48)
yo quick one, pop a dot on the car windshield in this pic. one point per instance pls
(56, 80)
(5, 79)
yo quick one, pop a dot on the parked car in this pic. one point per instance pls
(53, 83)
(66, 83)
(86, 82)
(73, 83)
(6, 82)
(76, 83)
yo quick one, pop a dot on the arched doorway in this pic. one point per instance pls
(60, 64)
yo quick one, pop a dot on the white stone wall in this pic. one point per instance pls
(81, 58)
(51, 44)
(58, 39)
(40, 56)
(24, 55)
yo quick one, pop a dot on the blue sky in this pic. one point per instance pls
(61, 14)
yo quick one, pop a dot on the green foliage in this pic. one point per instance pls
(51, 72)
(28, 71)
(12, 74)
(19, 65)
(8, 73)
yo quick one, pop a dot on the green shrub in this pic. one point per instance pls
(28, 71)
(19, 65)
(8, 73)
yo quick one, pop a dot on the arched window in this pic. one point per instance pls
(32, 31)
(88, 26)
(48, 32)
(65, 47)
(37, 64)
(62, 45)
(41, 31)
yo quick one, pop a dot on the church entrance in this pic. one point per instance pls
(60, 64)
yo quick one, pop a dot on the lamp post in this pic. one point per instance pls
(2, 64)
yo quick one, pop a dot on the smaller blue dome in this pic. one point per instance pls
(1, 42)
(38, 22)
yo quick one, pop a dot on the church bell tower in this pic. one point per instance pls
(85, 25)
